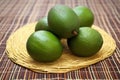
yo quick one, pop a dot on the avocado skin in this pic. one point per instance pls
(63, 21)
(43, 46)
(42, 24)
(85, 15)
(84, 46)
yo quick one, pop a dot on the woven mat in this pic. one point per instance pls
(67, 62)
(16, 13)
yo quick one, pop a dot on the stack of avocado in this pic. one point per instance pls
(63, 22)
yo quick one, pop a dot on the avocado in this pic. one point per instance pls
(63, 21)
(44, 46)
(42, 24)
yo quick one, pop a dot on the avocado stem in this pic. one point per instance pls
(75, 32)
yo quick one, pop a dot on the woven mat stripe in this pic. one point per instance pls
(109, 29)
(117, 55)
(2, 14)
(113, 20)
(113, 70)
(109, 19)
(112, 31)
(7, 28)
(6, 68)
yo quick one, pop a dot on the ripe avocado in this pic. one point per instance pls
(63, 21)
(87, 43)
(44, 46)
(42, 24)
(85, 15)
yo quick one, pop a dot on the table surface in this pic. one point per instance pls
(16, 13)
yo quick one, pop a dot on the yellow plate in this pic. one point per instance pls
(16, 51)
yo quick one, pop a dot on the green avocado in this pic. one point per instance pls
(87, 43)
(85, 15)
(44, 46)
(63, 21)
(42, 24)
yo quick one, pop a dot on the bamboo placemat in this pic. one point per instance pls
(16, 13)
